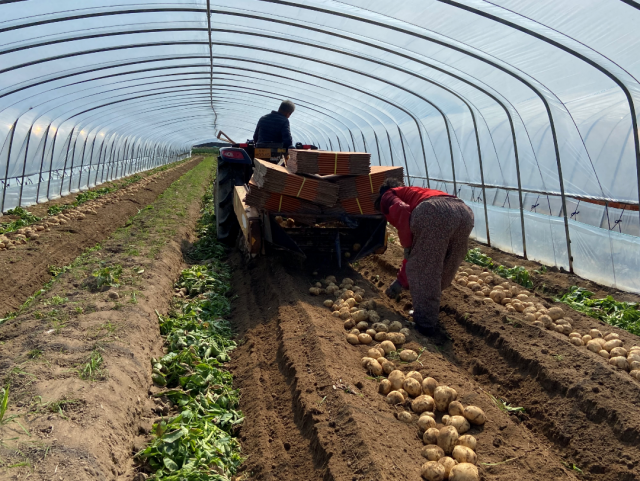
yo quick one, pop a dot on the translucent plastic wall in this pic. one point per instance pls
(525, 109)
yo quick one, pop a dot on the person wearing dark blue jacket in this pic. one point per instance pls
(274, 127)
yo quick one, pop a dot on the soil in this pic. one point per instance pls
(77, 424)
(26, 268)
(310, 407)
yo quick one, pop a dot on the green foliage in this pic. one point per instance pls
(198, 443)
(57, 209)
(108, 276)
(207, 245)
(4, 405)
(517, 274)
(26, 218)
(624, 315)
(92, 370)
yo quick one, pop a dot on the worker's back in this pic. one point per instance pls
(273, 128)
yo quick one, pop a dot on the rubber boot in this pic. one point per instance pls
(394, 290)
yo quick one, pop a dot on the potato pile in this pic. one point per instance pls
(450, 453)
(359, 316)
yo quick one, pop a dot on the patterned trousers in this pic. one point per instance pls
(440, 228)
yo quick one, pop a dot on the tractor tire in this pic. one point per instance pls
(228, 176)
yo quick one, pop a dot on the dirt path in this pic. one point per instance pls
(78, 359)
(26, 268)
(584, 408)
(310, 408)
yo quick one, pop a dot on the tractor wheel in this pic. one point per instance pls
(228, 176)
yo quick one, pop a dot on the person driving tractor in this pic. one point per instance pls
(274, 127)
(434, 229)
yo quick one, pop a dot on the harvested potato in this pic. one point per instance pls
(365, 360)
(633, 365)
(397, 379)
(464, 472)
(519, 306)
(618, 351)
(538, 324)
(430, 435)
(362, 326)
(315, 291)
(396, 338)
(375, 352)
(447, 438)
(595, 333)
(364, 338)
(432, 452)
(380, 336)
(407, 355)
(447, 463)
(387, 366)
(384, 387)
(374, 367)
(608, 345)
(576, 341)
(635, 374)
(633, 356)
(395, 397)
(351, 302)
(460, 423)
(462, 281)
(575, 334)
(425, 423)
(387, 346)
(510, 308)
(556, 313)
(360, 315)
(395, 326)
(433, 471)
(353, 339)
(467, 441)
(546, 320)
(405, 331)
(443, 395)
(336, 314)
(620, 362)
(371, 332)
(462, 454)
(586, 338)
(349, 324)
(473, 278)
(380, 327)
(594, 346)
(422, 403)
(475, 415)
(328, 303)
(412, 386)
(415, 375)
(529, 317)
(345, 314)
(429, 386)
(404, 417)
(611, 335)
(373, 316)
(445, 419)
(456, 408)
(604, 354)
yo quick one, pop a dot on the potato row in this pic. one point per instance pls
(449, 452)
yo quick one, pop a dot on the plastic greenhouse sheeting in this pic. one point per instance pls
(526, 110)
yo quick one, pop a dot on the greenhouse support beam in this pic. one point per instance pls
(404, 154)
(377, 147)
(44, 150)
(390, 147)
(53, 149)
(24, 164)
(66, 159)
(6, 174)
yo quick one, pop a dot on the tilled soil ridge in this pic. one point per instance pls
(310, 408)
(26, 269)
(86, 424)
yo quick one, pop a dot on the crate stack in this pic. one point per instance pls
(316, 182)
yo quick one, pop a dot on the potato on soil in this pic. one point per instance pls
(397, 379)
(538, 324)
(594, 346)
(556, 313)
(529, 317)
(365, 360)
(595, 333)
(394, 397)
(460, 423)
(546, 320)
(618, 351)
(443, 395)
(475, 415)
(380, 327)
(467, 441)
(387, 366)
(433, 471)
(432, 452)
(620, 362)
(462, 454)
(405, 332)
(353, 339)
(328, 303)
(412, 386)
(415, 375)
(633, 365)
(422, 403)
(396, 338)
(604, 354)
(360, 316)
(635, 374)
(445, 419)
(364, 338)
(608, 345)
(464, 472)
(404, 416)
(374, 368)
(576, 341)
(611, 335)
(429, 386)
(380, 336)
(407, 355)
(348, 324)
(633, 356)
(395, 326)
(447, 438)
(456, 408)
(375, 352)
(448, 463)
(404, 393)
(384, 387)
(387, 346)
(371, 332)
(430, 435)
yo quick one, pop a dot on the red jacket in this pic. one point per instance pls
(398, 204)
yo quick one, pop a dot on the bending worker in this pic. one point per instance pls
(434, 229)
(274, 127)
